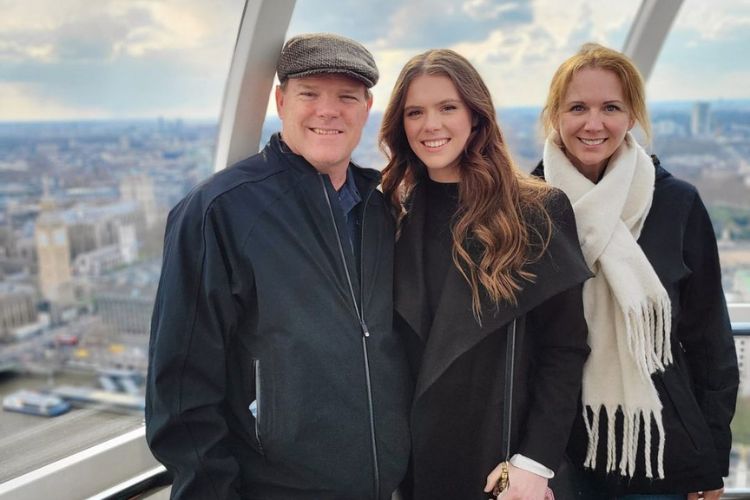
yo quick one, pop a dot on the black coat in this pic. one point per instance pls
(254, 304)
(457, 413)
(697, 392)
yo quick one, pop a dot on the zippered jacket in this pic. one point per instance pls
(698, 391)
(274, 371)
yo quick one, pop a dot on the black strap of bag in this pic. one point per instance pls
(510, 361)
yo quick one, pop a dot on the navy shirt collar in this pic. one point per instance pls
(348, 194)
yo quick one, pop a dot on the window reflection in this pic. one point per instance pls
(700, 109)
(516, 46)
(83, 203)
(89, 168)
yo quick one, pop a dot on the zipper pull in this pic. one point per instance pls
(365, 330)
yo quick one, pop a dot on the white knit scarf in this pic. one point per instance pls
(627, 310)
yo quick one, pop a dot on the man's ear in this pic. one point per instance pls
(279, 100)
(369, 101)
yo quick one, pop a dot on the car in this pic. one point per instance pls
(66, 339)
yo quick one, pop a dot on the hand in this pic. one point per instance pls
(524, 485)
(706, 495)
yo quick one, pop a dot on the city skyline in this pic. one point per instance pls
(71, 60)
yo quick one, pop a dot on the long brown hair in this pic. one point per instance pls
(497, 202)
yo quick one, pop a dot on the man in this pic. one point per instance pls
(274, 369)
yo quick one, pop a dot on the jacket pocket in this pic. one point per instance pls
(684, 408)
(256, 407)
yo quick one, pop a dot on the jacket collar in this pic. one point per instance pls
(277, 145)
(454, 329)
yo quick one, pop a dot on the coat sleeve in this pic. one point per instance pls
(193, 316)
(556, 331)
(559, 330)
(705, 333)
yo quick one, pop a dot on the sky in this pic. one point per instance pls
(77, 59)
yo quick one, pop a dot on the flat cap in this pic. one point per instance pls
(317, 53)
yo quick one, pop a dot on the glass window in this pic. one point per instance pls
(108, 115)
(699, 96)
(698, 92)
(516, 46)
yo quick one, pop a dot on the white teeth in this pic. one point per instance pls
(436, 143)
(592, 142)
(325, 131)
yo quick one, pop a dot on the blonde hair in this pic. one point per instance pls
(593, 55)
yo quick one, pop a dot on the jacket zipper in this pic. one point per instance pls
(256, 369)
(362, 325)
(510, 357)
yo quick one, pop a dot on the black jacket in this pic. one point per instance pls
(698, 392)
(254, 305)
(457, 414)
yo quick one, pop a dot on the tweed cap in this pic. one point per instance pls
(317, 53)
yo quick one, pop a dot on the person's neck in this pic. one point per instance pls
(594, 173)
(336, 174)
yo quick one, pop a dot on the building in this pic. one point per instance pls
(91, 227)
(54, 256)
(17, 308)
(125, 300)
(700, 119)
(140, 188)
(97, 262)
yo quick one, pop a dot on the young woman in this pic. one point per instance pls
(488, 277)
(660, 385)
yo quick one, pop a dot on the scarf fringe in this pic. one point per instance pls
(632, 422)
(648, 326)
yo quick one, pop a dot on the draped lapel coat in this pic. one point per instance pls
(459, 363)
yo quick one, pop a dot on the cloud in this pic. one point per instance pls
(422, 24)
(77, 30)
(356, 19)
(673, 83)
(515, 45)
(517, 60)
(416, 24)
(488, 9)
(129, 58)
(156, 56)
(21, 102)
(709, 21)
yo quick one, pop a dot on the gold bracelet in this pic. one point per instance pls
(503, 481)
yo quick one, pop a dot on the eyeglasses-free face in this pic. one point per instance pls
(437, 124)
(594, 119)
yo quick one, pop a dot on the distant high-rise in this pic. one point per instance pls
(700, 120)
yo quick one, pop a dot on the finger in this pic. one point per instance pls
(713, 494)
(492, 478)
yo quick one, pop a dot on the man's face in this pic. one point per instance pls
(323, 117)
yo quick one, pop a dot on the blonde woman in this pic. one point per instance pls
(660, 385)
